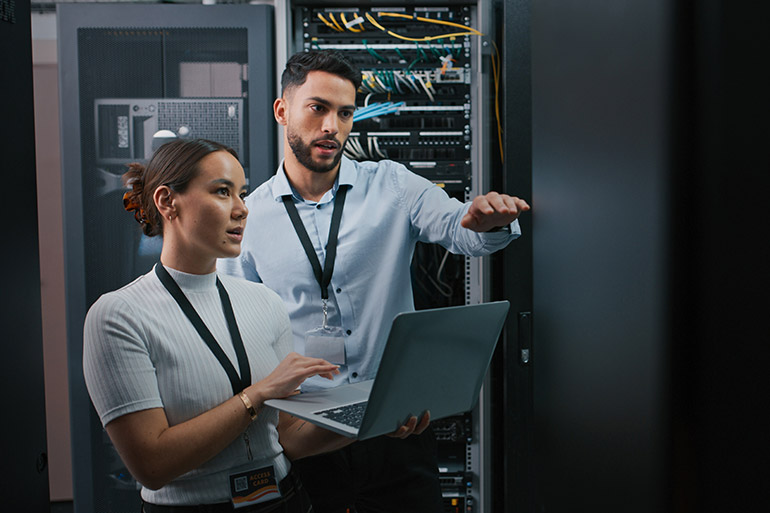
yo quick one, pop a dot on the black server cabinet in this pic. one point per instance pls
(132, 76)
(25, 472)
(650, 170)
(513, 369)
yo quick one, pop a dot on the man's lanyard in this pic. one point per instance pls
(323, 277)
(237, 383)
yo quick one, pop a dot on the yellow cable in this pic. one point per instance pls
(429, 38)
(496, 75)
(328, 24)
(345, 21)
(471, 31)
(430, 20)
(373, 22)
(334, 20)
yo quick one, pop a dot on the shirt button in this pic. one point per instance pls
(355, 374)
(318, 206)
(339, 290)
(348, 332)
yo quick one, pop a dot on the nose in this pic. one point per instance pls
(240, 210)
(330, 124)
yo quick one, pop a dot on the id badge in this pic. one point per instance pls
(253, 487)
(327, 342)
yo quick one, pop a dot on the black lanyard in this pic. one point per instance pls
(237, 383)
(323, 277)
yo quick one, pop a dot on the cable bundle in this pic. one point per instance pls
(357, 25)
(376, 109)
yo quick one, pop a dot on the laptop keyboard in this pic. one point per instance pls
(350, 414)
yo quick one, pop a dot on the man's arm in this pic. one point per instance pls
(301, 439)
(462, 228)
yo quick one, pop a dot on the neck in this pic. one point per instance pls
(311, 185)
(183, 261)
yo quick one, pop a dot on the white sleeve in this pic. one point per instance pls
(118, 371)
(436, 217)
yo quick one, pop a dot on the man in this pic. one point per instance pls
(345, 277)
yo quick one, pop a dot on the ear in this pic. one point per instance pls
(279, 110)
(164, 201)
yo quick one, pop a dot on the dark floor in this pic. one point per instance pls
(61, 507)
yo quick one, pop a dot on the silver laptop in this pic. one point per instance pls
(434, 360)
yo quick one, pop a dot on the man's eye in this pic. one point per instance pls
(346, 114)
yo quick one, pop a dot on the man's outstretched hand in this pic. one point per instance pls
(493, 210)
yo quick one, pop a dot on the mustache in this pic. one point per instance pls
(333, 139)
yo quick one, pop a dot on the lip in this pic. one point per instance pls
(320, 146)
(235, 234)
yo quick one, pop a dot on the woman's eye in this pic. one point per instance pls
(224, 191)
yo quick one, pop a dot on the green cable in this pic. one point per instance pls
(434, 51)
(383, 79)
(373, 53)
(421, 51)
(418, 59)
(447, 48)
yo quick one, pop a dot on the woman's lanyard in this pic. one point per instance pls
(238, 383)
(322, 276)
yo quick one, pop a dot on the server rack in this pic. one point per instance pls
(434, 99)
(130, 77)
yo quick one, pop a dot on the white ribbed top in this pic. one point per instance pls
(140, 351)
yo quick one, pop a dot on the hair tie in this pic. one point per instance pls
(130, 204)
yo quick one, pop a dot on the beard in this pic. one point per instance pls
(303, 152)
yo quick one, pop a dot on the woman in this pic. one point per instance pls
(179, 362)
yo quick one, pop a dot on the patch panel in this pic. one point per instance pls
(418, 56)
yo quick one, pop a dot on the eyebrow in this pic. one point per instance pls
(323, 101)
(227, 182)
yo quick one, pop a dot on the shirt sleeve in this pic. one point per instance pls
(435, 217)
(241, 266)
(284, 344)
(119, 374)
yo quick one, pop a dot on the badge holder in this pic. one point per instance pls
(326, 342)
(254, 487)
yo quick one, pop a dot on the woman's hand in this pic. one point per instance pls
(289, 375)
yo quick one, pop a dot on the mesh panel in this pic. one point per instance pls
(220, 121)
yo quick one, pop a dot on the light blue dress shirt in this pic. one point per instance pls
(387, 210)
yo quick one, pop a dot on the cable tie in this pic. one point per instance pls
(357, 21)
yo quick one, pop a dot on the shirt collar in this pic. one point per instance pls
(193, 282)
(347, 176)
